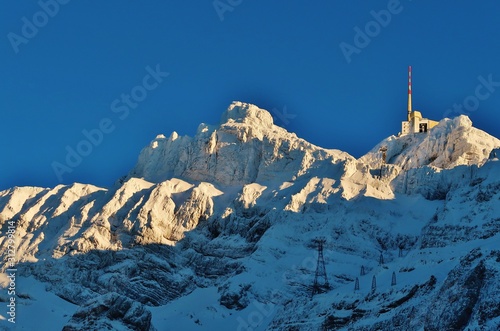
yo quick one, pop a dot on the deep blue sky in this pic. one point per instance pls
(274, 54)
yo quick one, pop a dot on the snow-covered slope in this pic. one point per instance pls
(216, 232)
(452, 143)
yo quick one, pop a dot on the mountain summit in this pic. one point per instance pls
(219, 232)
(245, 147)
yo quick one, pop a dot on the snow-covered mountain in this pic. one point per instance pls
(216, 232)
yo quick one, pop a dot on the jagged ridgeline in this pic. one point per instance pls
(219, 232)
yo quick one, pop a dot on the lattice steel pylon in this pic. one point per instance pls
(324, 286)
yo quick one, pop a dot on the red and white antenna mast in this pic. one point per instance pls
(409, 92)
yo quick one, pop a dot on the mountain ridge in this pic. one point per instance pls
(227, 218)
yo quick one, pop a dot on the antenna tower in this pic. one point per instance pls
(409, 92)
(324, 286)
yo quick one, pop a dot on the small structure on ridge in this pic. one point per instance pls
(415, 123)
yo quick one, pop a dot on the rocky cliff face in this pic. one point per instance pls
(245, 148)
(217, 232)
